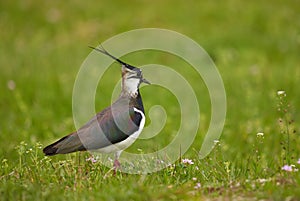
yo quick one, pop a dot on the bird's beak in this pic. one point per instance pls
(145, 81)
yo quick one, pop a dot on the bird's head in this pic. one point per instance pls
(132, 76)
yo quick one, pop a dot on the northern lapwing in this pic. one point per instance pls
(116, 127)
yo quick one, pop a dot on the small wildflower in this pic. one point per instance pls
(298, 161)
(160, 161)
(280, 93)
(11, 85)
(198, 185)
(194, 179)
(227, 166)
(260, 134)
(262, 180)
(287, 168)
(197, 168)
(187, 161)
(38, 145)
(92, 159)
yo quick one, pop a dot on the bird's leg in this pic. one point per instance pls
(117, 164)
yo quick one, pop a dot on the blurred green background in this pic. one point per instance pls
(254, 44)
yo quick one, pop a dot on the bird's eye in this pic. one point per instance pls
(139, 73)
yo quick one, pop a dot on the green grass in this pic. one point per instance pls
(255, 46)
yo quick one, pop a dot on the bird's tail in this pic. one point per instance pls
(68, 144)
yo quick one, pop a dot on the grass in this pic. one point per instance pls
(255, 46)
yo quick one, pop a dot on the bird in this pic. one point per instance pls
(114, 128)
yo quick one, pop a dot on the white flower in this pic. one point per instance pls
(260, 134)
(262, 180)
(279, 93)
(198, 185)
(92, 159)
(187, 161)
